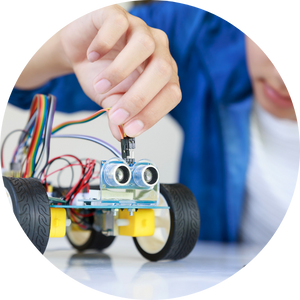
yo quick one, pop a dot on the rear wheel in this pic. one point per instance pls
(31, 207)
(176, 230)
(82, 239)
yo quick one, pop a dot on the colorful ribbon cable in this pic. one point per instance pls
(40, 103)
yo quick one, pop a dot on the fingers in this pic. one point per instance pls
(160, 71)
(164, 102)
(123, 33)
(139, 48)
(112, 23)
(135, 51)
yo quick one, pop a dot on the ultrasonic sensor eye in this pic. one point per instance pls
(145, 175)
(150, 175)
(117, 174)
(122, 175)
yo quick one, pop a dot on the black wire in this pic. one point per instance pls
(58, 176)
(39, 158)
(27, 128)
(76, 188)
(8, 135)
(47, 163)
(82, 219)
(62, 158)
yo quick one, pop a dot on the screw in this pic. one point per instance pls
(107, 232)
(131, 211)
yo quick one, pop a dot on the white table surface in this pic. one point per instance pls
(121, 271)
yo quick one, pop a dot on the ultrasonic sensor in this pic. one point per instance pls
(117, 174)
(145, 175)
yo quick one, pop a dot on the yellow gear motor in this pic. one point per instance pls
(141, 223)
(58, 222)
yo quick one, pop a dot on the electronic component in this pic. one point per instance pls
(14, 170)
(127, 147)
(117, 174)
(15, 166)
(145, 176)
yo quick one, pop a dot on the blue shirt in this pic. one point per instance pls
(214, 111)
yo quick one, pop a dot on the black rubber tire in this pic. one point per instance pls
(96, 241)
(185, 224)
(31, 208)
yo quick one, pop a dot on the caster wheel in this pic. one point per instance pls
(82, 239)
(31, 207)
(176, 230)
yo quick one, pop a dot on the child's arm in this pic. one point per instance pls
(48, 62)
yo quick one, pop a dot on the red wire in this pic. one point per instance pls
(67, 155)
(28, 158)
(33, 106)
(71, 165)
(84, 184)
(83, 215)
(83, 181)
(80, 225)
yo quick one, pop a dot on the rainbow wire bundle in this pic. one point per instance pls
(40, 105)
(37, 132)
(34, 142)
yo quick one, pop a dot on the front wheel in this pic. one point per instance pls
(176, 230)
(31, 207)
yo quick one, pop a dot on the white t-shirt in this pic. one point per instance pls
(272, 174)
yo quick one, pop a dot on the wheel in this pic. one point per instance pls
(87, 239)
(176, 230)
(31, 207)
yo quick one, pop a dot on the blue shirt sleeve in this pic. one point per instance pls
(69, 94)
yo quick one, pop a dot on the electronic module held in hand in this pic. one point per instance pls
(163, 219)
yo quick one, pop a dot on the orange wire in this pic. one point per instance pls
(121, 132)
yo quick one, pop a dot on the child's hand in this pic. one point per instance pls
(121, 62)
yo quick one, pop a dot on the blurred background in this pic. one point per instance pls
(161, 144)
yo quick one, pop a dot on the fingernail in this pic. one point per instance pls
(134, 128)
(102, 86)
(93, 56)
(119, 116)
